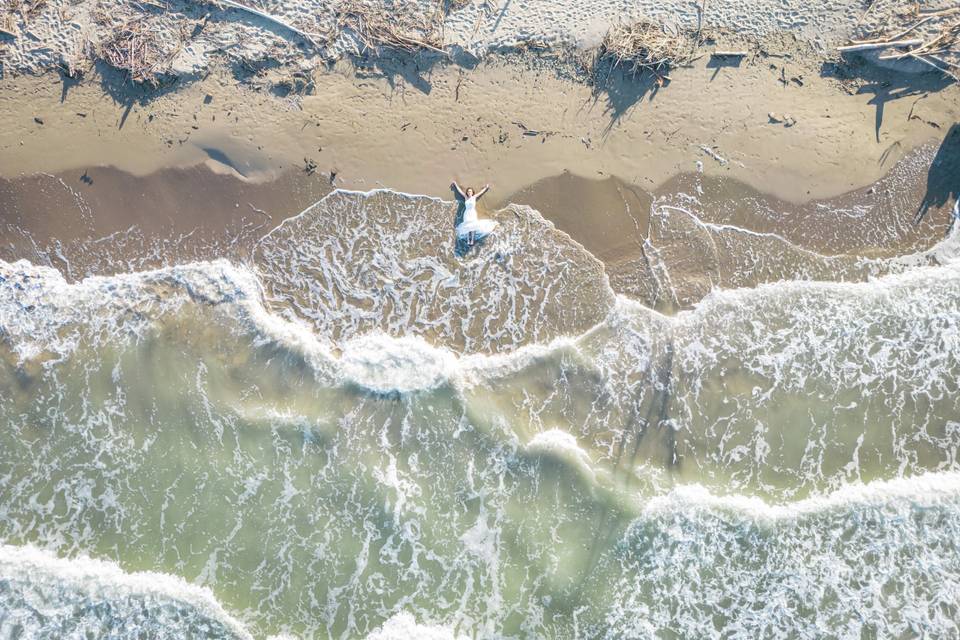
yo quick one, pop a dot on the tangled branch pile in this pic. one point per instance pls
(8, 25)
(931, 36)
(647, 46)
(134, 47)
(406, 30)
(13, 11)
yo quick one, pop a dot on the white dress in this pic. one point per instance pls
(471, 223)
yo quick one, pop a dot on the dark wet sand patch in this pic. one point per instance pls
(102, 220)
(670, 247)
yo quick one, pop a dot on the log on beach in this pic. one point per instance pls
(867, 46)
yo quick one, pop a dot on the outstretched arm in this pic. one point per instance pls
(483, 191)
(459, 190)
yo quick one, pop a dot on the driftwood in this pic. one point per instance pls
(730, 54)
(406, 31)
(935, 37)
(269, 18)
(867, 46)
(648, 46)
(942, 66)
(940, 12)
(907, 54)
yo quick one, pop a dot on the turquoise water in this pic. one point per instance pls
(359, 433)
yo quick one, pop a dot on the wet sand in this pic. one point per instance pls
(666, 248)
(100, 220)
(704, 232)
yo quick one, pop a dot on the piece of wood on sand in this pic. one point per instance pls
(932, 61)
(867, 46)
(8, 26)
(269, 18)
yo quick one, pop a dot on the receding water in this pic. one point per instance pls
(366, 431)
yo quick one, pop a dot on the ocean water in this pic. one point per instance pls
(364, 431)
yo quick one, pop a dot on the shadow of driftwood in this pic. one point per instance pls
(943, 177)
(68, 82)
(622, 89)
(719, 62)
(402, 68)
(885, 84)
(118, 85)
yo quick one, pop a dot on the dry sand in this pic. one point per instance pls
(414, 131)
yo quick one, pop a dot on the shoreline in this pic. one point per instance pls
(727, 235)
(826, 167)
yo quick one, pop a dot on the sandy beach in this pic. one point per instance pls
(509, 122)
(775, 133)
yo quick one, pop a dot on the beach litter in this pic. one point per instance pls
(408, 31)
(713, 154)
(785, 119)
(908, 31)
(134, 47)
(648, 46)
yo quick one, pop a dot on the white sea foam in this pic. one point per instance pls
(876, 559)
(559, 443)
(45, 596)
(39, 301)
(404, 626)
(756, 399)
(384, 261)
(384, 364)
(662, 209)
(40, 304)
(921, 491)
(354, 192)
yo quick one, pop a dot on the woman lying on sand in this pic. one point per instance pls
(471, 227)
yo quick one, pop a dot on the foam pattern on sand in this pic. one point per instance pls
(388, 261)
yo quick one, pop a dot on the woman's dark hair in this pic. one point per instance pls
(469, 191)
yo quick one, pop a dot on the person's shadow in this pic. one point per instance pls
(943, 177)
